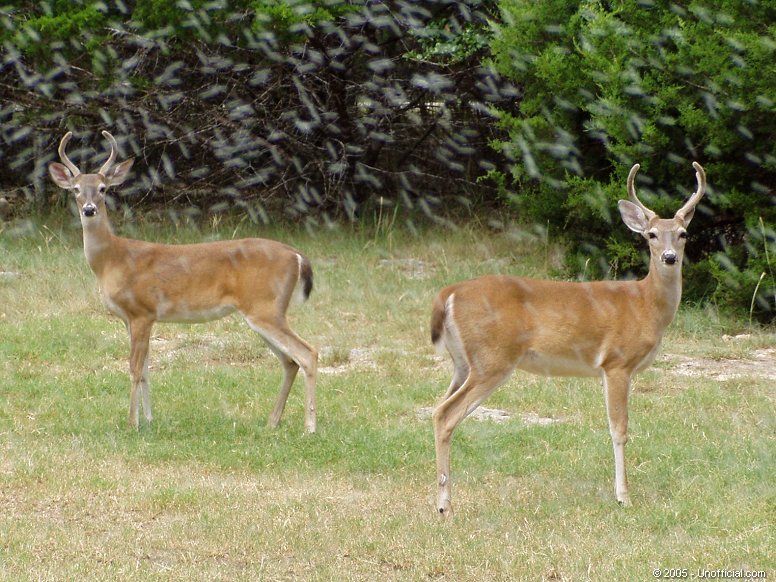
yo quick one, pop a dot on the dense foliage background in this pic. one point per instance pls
(321, 108)
(605, 85)
(330, 110)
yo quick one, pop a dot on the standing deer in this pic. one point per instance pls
(143, 282)
(606, 329)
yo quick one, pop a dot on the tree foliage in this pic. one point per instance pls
(325, 109)
(609, 84)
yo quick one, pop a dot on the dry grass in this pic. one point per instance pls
(209, 493)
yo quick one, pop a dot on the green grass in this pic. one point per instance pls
(208, 492)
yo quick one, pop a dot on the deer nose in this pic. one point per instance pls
(89, 210)
(669, 257)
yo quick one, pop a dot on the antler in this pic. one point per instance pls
(63, 156)
(700, 176)
(112, 157)
(632, 193)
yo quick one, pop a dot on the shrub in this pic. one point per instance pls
(605, 85)
(322, 109)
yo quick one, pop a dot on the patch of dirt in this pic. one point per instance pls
(410, 268)
(497, 415)
(760, 364)
(357, 358)
(185, 345)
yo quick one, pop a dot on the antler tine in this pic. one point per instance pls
(700, 176)
(63, 156)
(112, 157)
(632, 192)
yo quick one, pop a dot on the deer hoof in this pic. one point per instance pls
(444, 508)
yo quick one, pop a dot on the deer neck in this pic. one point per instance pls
(664, 286)
(99, 241)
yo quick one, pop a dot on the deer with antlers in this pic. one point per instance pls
(143, 282)
(605, 329)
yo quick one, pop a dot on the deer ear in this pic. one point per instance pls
(633, 216)
(119, 173)
(61, 175)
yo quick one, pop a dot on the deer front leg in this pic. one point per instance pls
(616, 389)
(139, 336)
(145, 390)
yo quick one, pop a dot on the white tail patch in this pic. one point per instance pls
(448, 328)
(299, 294)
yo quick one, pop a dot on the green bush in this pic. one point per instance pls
(315, 110)
(55, 22)
(605, 85)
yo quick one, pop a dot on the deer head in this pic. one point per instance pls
(666, 236)
(89, 189)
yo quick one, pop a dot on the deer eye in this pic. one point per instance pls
(683, 234)
(652, 235)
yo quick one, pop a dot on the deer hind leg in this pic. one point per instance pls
(616, 389)
(294, 353)
(290, 369)
(460, 364)
(139, 336)
(458, 404)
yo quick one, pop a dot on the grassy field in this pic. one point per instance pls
(208, 492)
